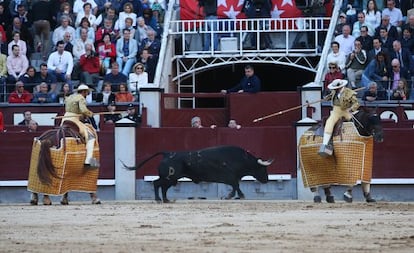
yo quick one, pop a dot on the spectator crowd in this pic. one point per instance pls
(374, 48)
(49, 46)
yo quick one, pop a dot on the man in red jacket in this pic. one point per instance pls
(20, 95)
(90, 66)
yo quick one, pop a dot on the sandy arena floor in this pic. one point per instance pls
(208, 226)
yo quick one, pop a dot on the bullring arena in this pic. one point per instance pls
(208, 226)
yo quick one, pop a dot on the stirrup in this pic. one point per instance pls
(325, 150)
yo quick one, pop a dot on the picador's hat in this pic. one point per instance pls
(83, 87)
(337, 83)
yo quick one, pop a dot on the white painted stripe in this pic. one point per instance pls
(101, 182)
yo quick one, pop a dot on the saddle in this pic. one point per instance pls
(319, 129)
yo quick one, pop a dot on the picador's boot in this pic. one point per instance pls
(368, 198)
(348, 196)
(366, 189)
(326, 148)
(90, 162)
(328, 194)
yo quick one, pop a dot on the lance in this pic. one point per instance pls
(80, 115)
(296, 107)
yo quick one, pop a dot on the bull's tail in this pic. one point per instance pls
(141, 163)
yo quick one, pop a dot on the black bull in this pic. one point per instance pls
(222, 164)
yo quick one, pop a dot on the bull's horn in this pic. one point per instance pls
(264, 163)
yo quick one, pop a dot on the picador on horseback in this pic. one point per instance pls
(344, 102)
(75, 110)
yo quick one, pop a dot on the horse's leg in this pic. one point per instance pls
(316, 196)
(348, 195)
(239, 192)
(46, 200)
(366, 190)
(95, 199)
(328, 194)
(34, 199)
(64, 201)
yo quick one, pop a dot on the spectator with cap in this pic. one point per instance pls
(132, 115)
(113, 116)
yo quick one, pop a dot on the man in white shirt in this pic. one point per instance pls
(395, 14)
(346, 40)
(59, 32)
(60, 64)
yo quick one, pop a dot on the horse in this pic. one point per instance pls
(56, 165)
(352, 158)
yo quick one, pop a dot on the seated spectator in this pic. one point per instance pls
(89, 66)
(32, 127)
(233, 124)
(151, 21)
(372, 14)
(126, 51)
(157, 12)
(377, 47)
(138, 79)
(346, 40)
(128, 11)
(25, 34)
(60, 31)
(391, 30)
(396, 73)
(333, 73)
(336, 55)
(85, 24)
(377, 71)
(16, 65)
(80, 44)
(43, 76)
(141, 31)
(78, 6)
(109, 29)
(5, 17)
(403, 55)
(67, 40)
(115, 77)
(43, 96)
(132, 115)
(123, 95)
(150, 64)
(365, 38)
(355, 64)
(395, 14)
(20, 95)
(114, 117)
(17, 41)
(60, 64)
(407, 40)
(356, 31)
(106, 51)
(64, 93)
(129, 27)
(106, 96)
(196, 123)
(86, 14)
(66, 11)
(249, 83)
(152, 44)
(373, 94)
(341, 22)
(109, 13)
(27, 117)
(29, 78)
(402, 91)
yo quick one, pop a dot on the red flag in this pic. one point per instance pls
(232, 9)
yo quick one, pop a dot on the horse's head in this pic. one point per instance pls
(368, 123)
